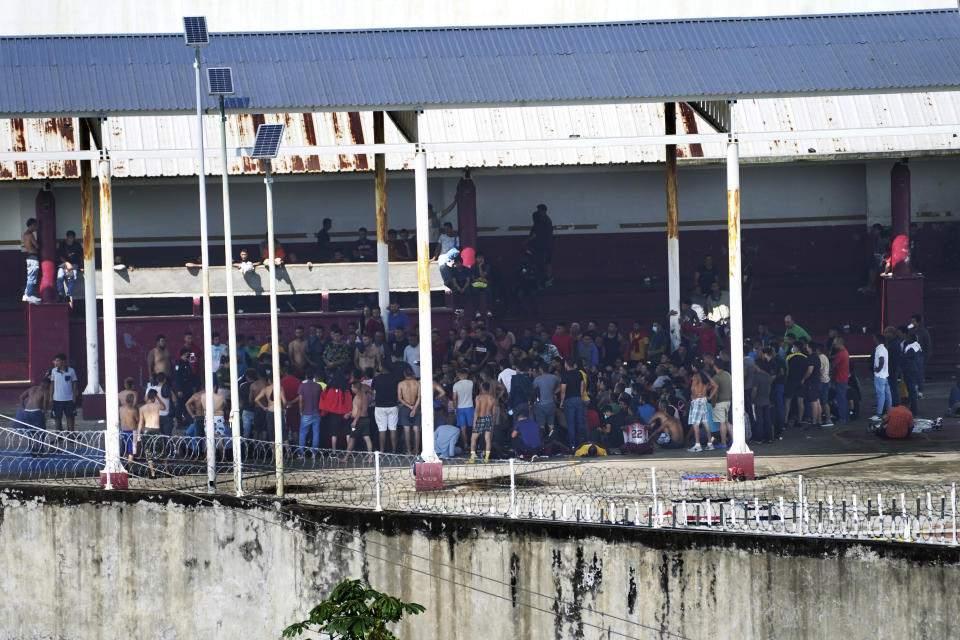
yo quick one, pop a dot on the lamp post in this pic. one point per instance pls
(265, 148)
(195, 32)
(220, 80)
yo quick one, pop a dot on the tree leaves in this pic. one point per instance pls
(354, 611)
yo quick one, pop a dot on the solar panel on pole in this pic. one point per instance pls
(268, 141)
(220, 80)
(195, 31)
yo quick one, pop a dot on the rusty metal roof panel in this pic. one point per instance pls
(489, 66)
(306, 129)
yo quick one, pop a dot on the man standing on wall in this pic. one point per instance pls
(483, 422)
(540, 242)
(66, 391)
(386, 413)
(32, 248)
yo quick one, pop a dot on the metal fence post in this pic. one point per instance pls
(653, 483)
(513, 490)
(953, 507)
(376, 471)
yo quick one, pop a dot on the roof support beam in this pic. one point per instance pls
(715, 112)
(406, 123)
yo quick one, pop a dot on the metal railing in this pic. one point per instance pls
(616, 492)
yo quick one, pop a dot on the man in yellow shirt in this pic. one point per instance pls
(639, 343)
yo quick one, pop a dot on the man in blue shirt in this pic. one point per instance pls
(396, 319)
(525, 437)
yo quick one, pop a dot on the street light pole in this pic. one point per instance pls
(274, 337)
(231, 309)
(205, 280)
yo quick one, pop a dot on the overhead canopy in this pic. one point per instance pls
(402, 69)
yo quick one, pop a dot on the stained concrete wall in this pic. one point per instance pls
(81, 564)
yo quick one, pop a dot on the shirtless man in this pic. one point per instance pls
(408, 392)
(158, 359)
(297, 352)
(35, 402)
(702, 388)
(148, 428)
(266, 401)
(128, 391)
(661, 422)
(259, 427)
(128, 421)
(219, 409)
(484, 406)
(368, 355)
(358, 419)
(32, 249)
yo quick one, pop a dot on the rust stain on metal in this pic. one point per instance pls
(356, 134)
(423, 275)
(733, 228)
(19, 144)
(310, 133)
(690, 126)
(5, 174)
(338, 135)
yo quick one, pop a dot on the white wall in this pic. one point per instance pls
(165, 212)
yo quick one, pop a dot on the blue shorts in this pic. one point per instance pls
(465, 417)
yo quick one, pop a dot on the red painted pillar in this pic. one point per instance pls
(48, 333)
(47, 217)
(903, 291)
(467, 211)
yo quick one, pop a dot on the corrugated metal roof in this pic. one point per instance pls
(530, 123)
(489, 66)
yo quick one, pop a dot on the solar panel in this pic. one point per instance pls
(195, 30)
(221, 81)
(268, 140)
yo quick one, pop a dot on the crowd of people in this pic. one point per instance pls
(587, 390)
(531, 391)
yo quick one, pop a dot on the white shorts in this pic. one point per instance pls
(721, 412)
(386, 418)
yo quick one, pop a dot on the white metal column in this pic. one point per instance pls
(429, 452)
(274, 337)
(736, 292)
(88, 238)
(673, 226)
(380, 189)
(231, 310)
(112, 444)
(205, 282)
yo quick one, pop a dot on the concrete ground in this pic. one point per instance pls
(845, 452)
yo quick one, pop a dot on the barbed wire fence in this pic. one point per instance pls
(619, 493)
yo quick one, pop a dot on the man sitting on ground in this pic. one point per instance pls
(896, 425)
(525, 437)
(664, 424)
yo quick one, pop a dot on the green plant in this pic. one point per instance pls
(354, 611)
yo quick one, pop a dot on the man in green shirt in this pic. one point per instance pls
(794, 329)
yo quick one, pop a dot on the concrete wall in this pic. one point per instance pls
(81, 564)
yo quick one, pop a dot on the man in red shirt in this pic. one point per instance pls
(896, 425)
(563, 341)
(706, 334)
(291, 389)
(841, 376)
